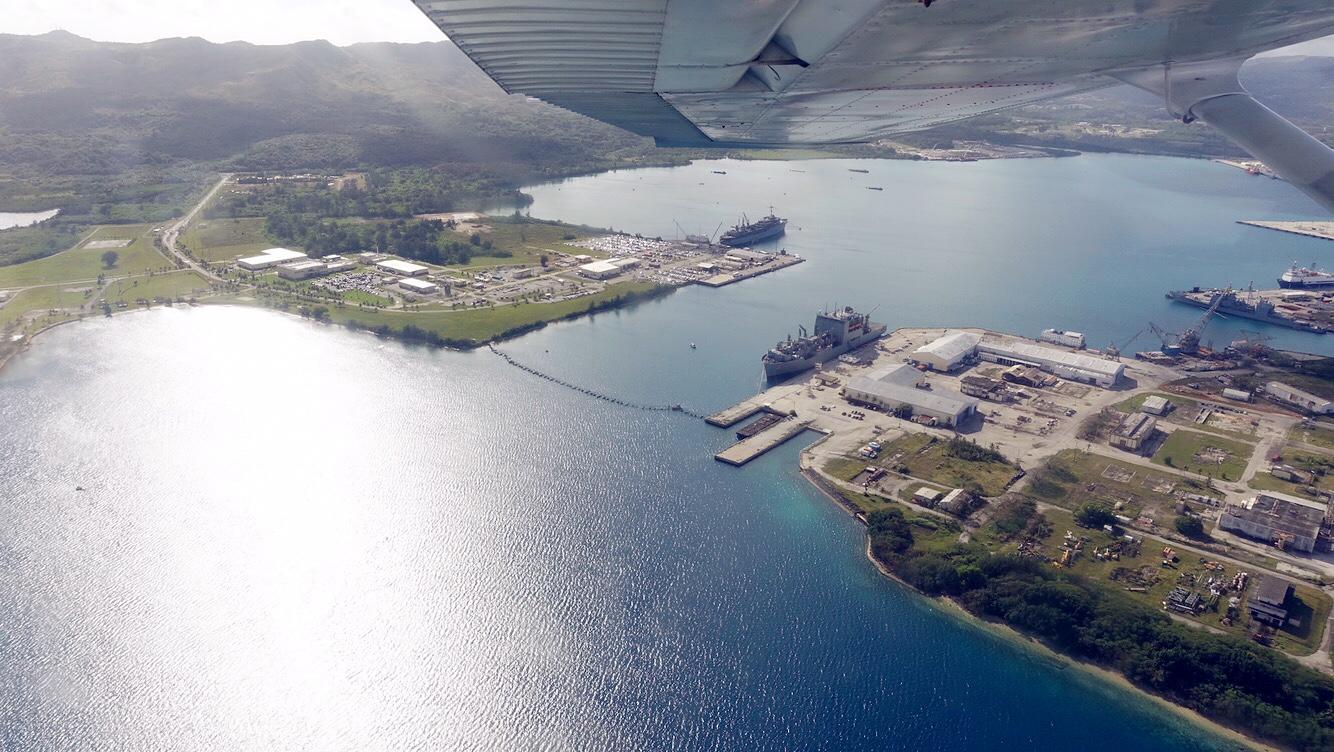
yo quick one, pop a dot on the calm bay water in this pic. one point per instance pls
(24, 219)
(296, 537)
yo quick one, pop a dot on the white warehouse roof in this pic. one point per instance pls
(896, 383)
(951, 346)
(418, 285)
(271, 257)
(402, 267)
(600, 267)
(1039, 354)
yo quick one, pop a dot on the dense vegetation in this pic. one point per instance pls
(423, 240)
(1222, 677)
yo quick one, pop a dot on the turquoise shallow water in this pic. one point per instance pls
(297, 537)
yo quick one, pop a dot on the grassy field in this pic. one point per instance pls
(1073, 477)
(170, 286)
(482, 324)
(526, 241)
(1179, 403)
(226, 239)
(39, 298)
(931, 461)
(1182, 449)
(1319, 464)
(1313, 435)
(83, 263)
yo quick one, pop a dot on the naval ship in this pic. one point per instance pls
(749, 233)
(1232, 304)
(1302, 276)
(835, 333)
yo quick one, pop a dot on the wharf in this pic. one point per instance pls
(748, 449)
(1311, 228)
(727, 278)
(762, 402)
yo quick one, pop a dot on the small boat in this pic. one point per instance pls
(719, 172)
(692, 345)
(854, 169)
(874, 188)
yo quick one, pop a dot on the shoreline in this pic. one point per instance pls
(1014, 637)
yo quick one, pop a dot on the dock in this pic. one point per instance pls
(727, 278)
(748, 449)
(1311, 228)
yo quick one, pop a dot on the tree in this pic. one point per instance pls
(110, 258)
(1094, 514)
(1189, 526)
(545, 259)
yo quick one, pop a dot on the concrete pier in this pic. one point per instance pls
(748, 449)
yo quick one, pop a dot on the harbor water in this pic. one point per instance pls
(232, 529)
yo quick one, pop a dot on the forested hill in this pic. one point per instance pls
(73, 106)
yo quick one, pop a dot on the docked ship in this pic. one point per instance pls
(835, 333)
(1302, 276)
(1231, 304)
(749, 233)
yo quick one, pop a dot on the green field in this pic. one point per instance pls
(932, 462)
(1073, 477)
(526, 241)
(1314, 435)
(1321, 465)
(170, 286)
(226, 239)
(82, 263)
(39, 298)
(1179, 403)
(480, 325)
(1182, 449)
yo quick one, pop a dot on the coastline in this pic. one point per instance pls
(1014, 637)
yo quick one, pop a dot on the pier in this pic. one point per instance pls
(748, 449)
(727, 278)
(760, 403)
(1311, 228)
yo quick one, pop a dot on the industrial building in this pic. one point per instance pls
(335, 264)
(957, 502)
(1297, 398)
(1155, 405)
(1067, 339)
(1135, 432)
(303, 269)
(271, 257)
(926, 496)
(897, 385)
(1068, 365)
(1285, 522)
(402, 268)
(599, 270)
(947, 352)
(418, 286)
(984, 388)
(1237, 394)
(1269, 602)
(624, 263)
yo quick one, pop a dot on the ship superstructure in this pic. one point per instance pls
(835, 333)
(1305, 276)
(747, 233)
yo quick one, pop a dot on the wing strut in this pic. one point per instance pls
(1210, 91)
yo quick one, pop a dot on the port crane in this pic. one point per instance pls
(1188, 341)
(1114, 349)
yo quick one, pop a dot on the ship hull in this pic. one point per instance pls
(758, 236)
(1249, 314)
(1301, 285)
(778, 369)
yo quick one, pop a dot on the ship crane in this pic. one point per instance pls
(1188, 342)
(1114, 349)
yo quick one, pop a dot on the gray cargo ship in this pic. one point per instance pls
(835, 333)
(749, 233)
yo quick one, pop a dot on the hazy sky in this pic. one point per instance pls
(259, 21)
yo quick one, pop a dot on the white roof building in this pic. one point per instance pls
(271, 257)
(1155, 405)
(600, 270)
(419, 286)
(302, 269)
(1294, 396)
(890, 387)
(404, 268)
(1069, 365)
(947, 352)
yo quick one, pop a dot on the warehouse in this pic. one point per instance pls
(1285, 522)
(599, 270)
(1297, 398)
(402, 268)
(1135, 431)
(418, 286)
(948, 352)
(303, 269)
(271, 257)
(1155, 405)
(1068, 365)
(1269, 602)
(896, 385)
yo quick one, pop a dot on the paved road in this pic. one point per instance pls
(173, 231)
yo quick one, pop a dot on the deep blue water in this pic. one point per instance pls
(297, 537)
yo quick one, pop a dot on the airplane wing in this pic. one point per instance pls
(785, 72)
